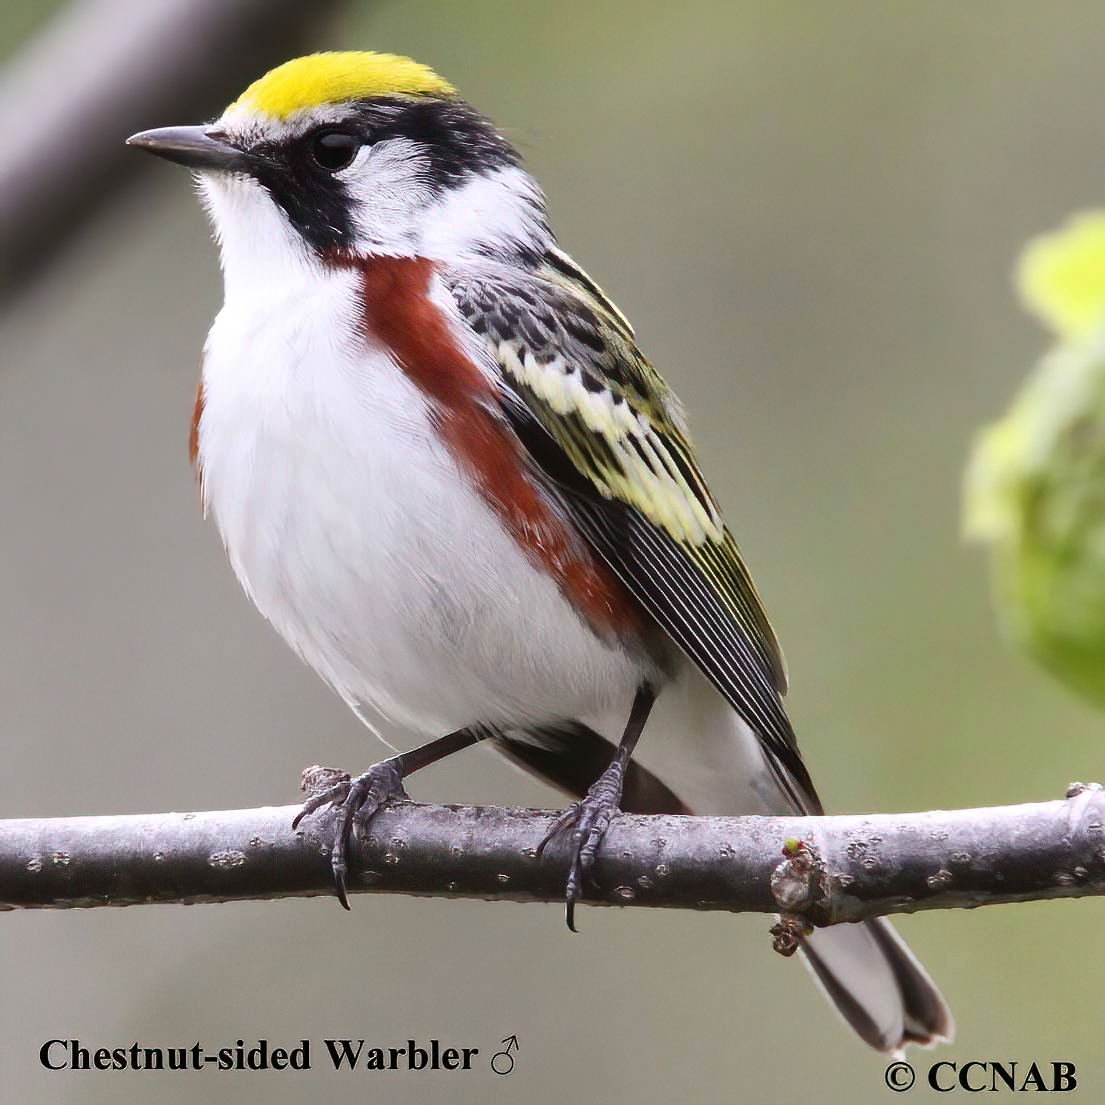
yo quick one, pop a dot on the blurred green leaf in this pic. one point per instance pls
(1061, 276)
(1035, 486)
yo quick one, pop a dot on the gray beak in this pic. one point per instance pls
(196, 147)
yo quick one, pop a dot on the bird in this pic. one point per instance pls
(445, 472)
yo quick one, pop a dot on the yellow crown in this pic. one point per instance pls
(331, 78)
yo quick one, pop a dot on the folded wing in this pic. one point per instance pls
(609, 437)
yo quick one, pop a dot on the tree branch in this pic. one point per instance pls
(822, 869)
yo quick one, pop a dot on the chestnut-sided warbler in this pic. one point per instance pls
(446, 474)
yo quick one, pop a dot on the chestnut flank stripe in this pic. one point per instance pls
(399, 313)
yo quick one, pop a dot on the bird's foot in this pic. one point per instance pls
(588, 821)
(356, 801)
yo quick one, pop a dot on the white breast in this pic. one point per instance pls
(355, 534)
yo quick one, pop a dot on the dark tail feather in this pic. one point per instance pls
(878, 986)
(927, 1020)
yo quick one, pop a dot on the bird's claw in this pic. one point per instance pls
(589, 820)
(356, 801)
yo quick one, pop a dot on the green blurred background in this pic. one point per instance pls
(810, 212)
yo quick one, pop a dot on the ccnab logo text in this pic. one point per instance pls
(976, 1076)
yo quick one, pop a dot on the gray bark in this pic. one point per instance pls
(846, 868)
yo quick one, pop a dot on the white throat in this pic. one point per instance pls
(262, 254)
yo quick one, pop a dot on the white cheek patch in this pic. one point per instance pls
(490, 213)
(389, 186)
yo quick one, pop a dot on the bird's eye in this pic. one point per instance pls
(334, 150)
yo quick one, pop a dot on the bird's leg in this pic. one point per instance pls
(358, 799)
(590, 818)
